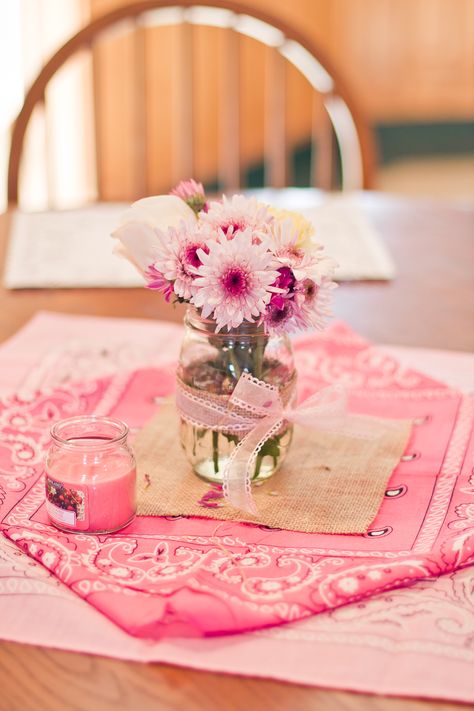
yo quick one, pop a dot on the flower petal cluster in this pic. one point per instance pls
(138, 234)
(303, 228)
(235, 260)
(193, 195)
(305, 275)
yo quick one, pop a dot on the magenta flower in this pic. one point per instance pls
(156, 280)
(212, 499)
(285, 279)
(236, 259)
(279, 313)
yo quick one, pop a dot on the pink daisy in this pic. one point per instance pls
(311, 303)
(299, 305)
(279, 314)
(284, 239)
(303, 263)
(234, 281)
(176, 257)
(236, 214)
(290, 258)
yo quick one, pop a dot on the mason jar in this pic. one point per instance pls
(211, 364)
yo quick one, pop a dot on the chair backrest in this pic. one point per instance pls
(336, 114)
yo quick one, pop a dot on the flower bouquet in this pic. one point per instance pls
(251, 275)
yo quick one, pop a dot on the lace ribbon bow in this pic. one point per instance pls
(326, 409)
(255, 412)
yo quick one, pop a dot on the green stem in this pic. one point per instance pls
(258, 464)
(235, 363)
(215, 450)
(258, 357)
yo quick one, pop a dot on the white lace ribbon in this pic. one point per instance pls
(326, 408)
(255, 411)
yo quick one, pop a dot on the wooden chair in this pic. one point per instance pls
(336, 113)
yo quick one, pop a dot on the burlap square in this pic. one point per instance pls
(329, 483)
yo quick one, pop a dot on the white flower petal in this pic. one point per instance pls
(137, 243)
(160, 211)
(140, 225)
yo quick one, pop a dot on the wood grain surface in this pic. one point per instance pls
(430, 303)
(36, 679)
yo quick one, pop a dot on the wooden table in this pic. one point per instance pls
(431, 304)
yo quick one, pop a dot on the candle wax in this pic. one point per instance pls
(91, 492)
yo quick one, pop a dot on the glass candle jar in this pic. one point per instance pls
(90, 475)
(212, 363)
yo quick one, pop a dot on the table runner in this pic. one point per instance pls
(410, 641)
(238, 570)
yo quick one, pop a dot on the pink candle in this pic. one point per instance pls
(90, 475)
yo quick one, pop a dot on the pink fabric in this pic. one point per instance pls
(193, 577)
(56, 348)
(414, 641)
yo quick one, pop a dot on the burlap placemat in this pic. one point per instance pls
(329, 483)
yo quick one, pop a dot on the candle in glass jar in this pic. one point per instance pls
(90, 475)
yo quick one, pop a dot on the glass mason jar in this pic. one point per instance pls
(212, 363)
(90, 475)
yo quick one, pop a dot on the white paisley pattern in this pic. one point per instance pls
(195, 576)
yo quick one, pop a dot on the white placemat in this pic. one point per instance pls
(349, 237)
(67, 249)
(342, 227)
(72, 248)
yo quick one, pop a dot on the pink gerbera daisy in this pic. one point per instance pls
(236, 214)
(234, 281)
(176, 258)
